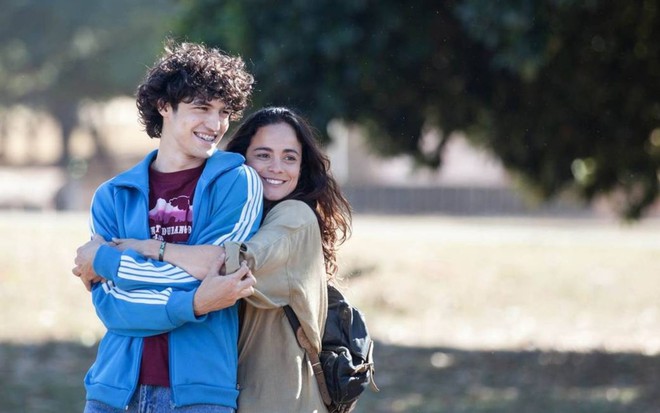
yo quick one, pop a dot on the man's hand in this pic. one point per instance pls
(85, 262)
(221, 291)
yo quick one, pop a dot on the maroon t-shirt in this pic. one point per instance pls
(170, 220)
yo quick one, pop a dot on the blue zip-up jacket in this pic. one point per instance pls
(227, 206)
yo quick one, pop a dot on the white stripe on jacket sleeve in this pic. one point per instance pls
(250, 210)
(141, 297)
(130, 269)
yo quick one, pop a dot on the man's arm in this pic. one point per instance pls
(235, 219)
(137, 313)
(159, 309)
(102, 260)
(141, 313)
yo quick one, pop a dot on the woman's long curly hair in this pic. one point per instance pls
(316, 186)
(190, 71)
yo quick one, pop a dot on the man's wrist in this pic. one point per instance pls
(198, 308)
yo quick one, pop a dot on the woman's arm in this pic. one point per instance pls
(196, 260)
(286, 258)
(285, 255)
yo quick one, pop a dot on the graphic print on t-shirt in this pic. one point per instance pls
(171, 220)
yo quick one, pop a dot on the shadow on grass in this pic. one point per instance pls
(450, 380)
(48, 378)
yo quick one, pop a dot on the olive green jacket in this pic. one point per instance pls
(285, 255)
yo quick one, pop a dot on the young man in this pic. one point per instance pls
(173, 349)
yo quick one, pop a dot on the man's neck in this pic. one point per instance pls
(172, 158)
(166, 163)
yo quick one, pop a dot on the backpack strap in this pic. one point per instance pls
(313, 356)
(241, 315)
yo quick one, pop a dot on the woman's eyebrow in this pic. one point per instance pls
(266, 148)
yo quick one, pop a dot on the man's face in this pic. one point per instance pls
(191, 132)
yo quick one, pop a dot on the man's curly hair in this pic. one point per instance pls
(190, 71)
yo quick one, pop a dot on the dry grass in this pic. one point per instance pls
(470, 315)
(45, 300)
(508, 284)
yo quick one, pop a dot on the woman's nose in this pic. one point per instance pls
(275, 165)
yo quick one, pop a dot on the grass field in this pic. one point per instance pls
(470, 315)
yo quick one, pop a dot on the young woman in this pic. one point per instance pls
(293, 256)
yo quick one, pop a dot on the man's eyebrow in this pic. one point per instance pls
(200, 102)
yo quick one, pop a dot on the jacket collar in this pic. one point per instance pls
(219, 163)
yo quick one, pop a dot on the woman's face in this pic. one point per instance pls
(276, 155)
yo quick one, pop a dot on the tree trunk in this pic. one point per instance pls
(66, 114)
(4, 130)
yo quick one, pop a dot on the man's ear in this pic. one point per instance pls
(164, 107)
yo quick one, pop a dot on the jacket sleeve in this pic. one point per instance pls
(235, 218)
(142, 313)
(127, 269)
(287, 259)
(238, 217)
(137, 313)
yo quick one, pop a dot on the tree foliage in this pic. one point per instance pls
(55, 54)
(565, 92)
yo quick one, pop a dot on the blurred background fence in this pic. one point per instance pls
(457, 201)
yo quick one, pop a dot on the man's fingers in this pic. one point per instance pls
(241, 271)
(248, 280)
(76, 271)
(98, 238)
(246, 285)
(246, 292)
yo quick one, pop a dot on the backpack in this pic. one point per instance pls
(344, 367)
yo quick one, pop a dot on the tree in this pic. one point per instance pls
(565, 92)
(56, 54)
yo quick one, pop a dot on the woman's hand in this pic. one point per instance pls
(145, 247)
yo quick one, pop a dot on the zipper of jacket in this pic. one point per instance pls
(136, 377)
(197, 205)
(172, 373)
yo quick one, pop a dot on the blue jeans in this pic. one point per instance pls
(154, 399)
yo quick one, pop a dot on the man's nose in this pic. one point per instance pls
(214, 121)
